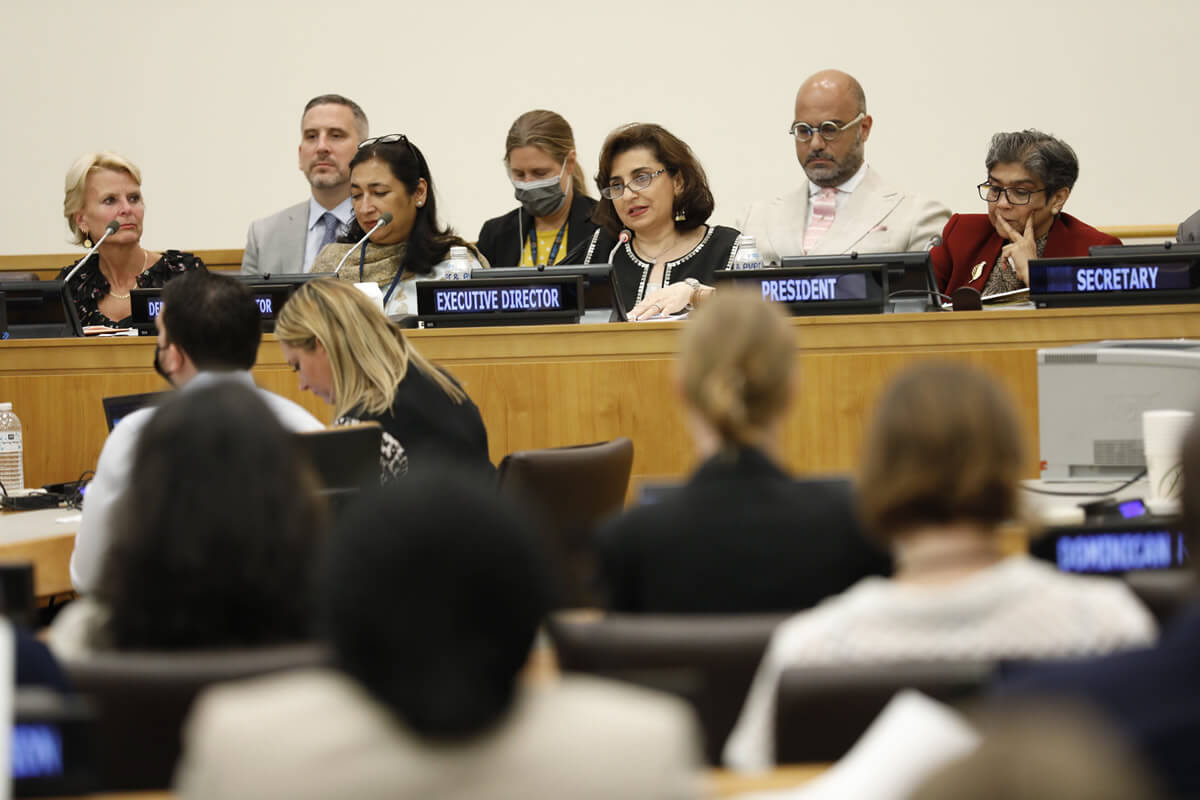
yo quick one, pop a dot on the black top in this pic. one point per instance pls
(89, 286)
(501, 239)
(425, 425)
(714, 252)
(741, 536)
(1151, 696)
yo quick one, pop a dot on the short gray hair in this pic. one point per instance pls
(1051, 160)
(360, 116)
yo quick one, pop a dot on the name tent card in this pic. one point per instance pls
(1117, 279)
(858, 289)
(521, 300)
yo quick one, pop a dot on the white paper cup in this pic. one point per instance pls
(1163, 431)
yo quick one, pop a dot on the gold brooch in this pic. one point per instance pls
(977, 271)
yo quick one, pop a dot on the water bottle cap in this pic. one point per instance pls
(458, 252)
(745, 240)
(5, 406)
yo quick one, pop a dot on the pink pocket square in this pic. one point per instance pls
(879, 229)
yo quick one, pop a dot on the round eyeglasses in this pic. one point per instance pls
(829, 129)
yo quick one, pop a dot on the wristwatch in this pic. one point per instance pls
(694, 285)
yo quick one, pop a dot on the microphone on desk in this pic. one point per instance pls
(111, 228)
(622, 239)
(383, 220)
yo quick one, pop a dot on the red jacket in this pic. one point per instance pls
(969, 239)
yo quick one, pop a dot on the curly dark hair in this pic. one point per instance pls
(695, 201)
(215, 543)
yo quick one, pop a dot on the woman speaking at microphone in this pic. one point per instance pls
(553, 224)
(345, 351)
(654, 203)
(391, 189)
(103, 191)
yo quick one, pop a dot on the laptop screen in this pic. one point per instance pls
(121, 406)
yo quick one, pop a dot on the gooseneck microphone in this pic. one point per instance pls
(622, 239)
(111, 228)
(383, 220)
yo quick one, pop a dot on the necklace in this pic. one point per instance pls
(654, 259)
(111, 293)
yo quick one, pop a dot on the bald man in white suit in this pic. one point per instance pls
(856, 209)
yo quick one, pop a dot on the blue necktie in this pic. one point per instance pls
(331, 225)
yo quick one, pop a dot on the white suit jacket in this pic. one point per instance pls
(275, 244)
(876, 218)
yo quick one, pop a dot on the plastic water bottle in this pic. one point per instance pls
(460, 265)
(747, 256)
(12, 467)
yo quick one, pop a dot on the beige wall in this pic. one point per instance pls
(205, 96)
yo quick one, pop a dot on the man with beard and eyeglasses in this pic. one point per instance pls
(844, 205)
(288, 242)
(209, 329)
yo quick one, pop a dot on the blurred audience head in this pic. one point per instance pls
(1045, 753)
(215, 543)
(944, 448)
(209, 322)
(431, 596)
(736, 365)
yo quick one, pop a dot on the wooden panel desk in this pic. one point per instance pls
(545, 386)
(40, 538)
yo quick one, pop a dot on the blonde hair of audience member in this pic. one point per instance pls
(550, 133)
(736, 358)
(75, 185)
(368, 355)
(939, 476)
(1060, 752)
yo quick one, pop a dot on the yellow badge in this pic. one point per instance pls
(977, 271)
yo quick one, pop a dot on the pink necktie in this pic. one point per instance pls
(824, 208)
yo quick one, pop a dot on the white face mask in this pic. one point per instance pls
(543, 197)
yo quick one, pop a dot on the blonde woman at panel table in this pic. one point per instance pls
(391, 189)
(103, 192)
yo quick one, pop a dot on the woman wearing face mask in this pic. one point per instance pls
(389, 175)
(1029, 178)
(553, 224)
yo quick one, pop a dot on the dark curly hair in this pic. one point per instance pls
(215, 543)
(695, 201)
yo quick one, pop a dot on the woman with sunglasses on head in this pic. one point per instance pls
(653, 188)
(389, 175)
(1029, 178)
(553, 224)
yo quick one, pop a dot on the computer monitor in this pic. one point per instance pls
(599, 288)
(1143, 249)
(145, 304)
(1120, 279)
(813, 290)
(39, 310)
(911, 285)
(292, 279)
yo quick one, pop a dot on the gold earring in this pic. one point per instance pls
(87, 240)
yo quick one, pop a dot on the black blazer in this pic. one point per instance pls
(500, 238)
(740, 536)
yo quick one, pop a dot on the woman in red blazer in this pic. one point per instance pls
(1030, 175)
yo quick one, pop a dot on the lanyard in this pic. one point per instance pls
(553, 250)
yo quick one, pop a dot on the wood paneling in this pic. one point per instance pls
(557, 385)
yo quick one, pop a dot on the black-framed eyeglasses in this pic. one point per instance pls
(829, 129)
(389, 139)
(637, 183)
(1016, 196)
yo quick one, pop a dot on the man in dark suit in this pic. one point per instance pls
(331, 128)
(1152, 696)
